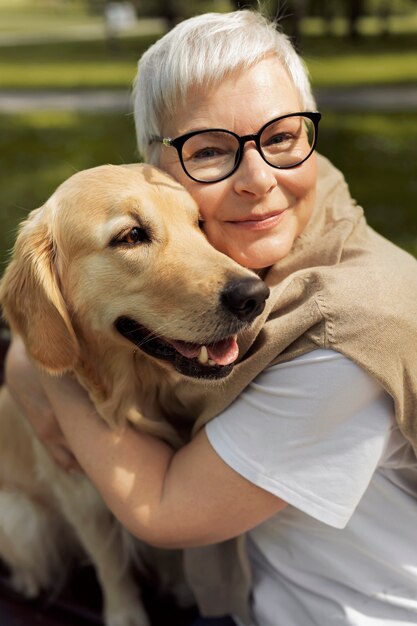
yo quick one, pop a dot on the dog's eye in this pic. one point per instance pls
(134, 236)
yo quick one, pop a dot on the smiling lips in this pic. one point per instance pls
(261, 222)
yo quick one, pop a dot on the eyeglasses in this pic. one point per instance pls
(208, 156)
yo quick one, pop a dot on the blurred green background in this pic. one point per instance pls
(49, 46)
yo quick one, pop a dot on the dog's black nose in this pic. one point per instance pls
(245, 298)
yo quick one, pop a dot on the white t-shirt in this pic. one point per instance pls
(319, 432)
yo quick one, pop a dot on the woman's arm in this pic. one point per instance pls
(170, 499)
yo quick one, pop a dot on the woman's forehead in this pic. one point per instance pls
(246, 98)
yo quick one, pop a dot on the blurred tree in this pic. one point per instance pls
(298, 10)
(169, 12)
(355, 10)
(327, 11)
(241, 4)
(175, 10)
(289, 13)
(384, 12)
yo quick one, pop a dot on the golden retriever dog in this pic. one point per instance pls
(113, 280)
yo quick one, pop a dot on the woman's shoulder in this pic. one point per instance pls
(373, 277)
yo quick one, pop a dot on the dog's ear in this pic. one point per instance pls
(32, 302)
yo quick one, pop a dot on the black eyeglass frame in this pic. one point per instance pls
(178, 143)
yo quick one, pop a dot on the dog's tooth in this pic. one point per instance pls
(211, 362)
(203, 355)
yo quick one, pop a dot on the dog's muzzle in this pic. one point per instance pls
(241, 301)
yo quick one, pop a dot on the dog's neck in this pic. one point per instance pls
(126, 385)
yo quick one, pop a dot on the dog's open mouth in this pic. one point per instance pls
(210, 361)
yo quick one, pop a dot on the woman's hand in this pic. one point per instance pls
(24, 382)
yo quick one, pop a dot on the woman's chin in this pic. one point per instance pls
(262, 253)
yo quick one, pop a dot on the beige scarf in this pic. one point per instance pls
(342, 287)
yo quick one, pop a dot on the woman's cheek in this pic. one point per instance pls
(214, 237)
(301, 181)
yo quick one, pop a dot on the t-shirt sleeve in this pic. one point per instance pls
(311, 431)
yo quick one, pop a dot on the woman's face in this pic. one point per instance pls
(255, 215)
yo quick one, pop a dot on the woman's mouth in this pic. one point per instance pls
(259, 222)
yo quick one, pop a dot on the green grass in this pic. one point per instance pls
(92, 64)
(29, 17)
(333, 61)
(69, 75)
(20, 14)
(357, 70)
(70, 65)
(43, 149)
(336, 62)
(375, 152)
(400, 22)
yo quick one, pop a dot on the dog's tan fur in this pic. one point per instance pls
(62, 292)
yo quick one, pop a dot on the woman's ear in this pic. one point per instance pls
(32, 302)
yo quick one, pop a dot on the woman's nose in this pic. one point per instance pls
(254, 176)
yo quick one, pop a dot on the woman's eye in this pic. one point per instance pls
(207, 153)
(280, 138)
(134, 236)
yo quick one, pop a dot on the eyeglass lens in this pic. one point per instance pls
(211, 155)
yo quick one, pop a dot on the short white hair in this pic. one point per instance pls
(201, 52)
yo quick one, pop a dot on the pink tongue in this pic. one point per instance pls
(222, 352)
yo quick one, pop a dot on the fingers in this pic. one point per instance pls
(64, 458)
(49, 433)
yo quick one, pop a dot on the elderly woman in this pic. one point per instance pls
(308, 446)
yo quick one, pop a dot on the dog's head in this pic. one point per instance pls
(117, 253)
